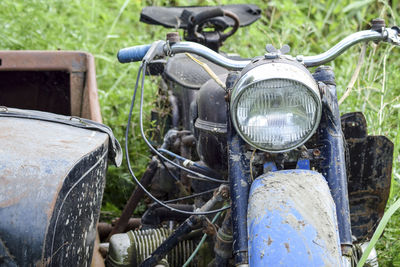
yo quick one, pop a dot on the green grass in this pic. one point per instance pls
(101, 27)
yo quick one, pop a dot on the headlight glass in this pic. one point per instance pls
(276, 114)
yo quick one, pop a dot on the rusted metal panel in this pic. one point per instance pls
(79, 65)
(51, 184)
(369, 173)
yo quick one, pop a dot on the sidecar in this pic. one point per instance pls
(53, 158)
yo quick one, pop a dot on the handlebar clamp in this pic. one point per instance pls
(393, 35)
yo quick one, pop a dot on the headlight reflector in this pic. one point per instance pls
(276, 106)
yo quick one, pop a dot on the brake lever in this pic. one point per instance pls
(157, 49)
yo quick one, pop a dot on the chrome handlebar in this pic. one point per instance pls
(390, 35)
(162, 48)
(205, 52)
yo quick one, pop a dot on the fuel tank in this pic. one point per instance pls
(52, 177)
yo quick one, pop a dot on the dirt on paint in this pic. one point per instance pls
(309, 194)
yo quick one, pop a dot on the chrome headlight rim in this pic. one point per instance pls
(279, 70)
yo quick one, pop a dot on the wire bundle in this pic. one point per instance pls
(142, 74)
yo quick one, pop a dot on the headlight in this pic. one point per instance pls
(276, 106)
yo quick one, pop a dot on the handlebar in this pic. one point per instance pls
(132, 54)
(388, 35)
(162, 48)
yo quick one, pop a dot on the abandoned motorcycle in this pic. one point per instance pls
(304, 184)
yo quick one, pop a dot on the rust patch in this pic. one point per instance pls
(82, 71)
(13, 200)
(269, 241)
(369, 175)
(262, 252)
(287, 247)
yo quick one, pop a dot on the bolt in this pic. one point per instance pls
(209, 228)
(173, 37)
(224, 192)
(316, 152)
(377, 24)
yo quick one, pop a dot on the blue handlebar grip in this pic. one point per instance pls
(132, 54)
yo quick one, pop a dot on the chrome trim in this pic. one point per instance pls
(339, 48)
(201, 50)
(347, 261)
(209, 126)
(276, 70)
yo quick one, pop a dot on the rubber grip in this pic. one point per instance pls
(132, 54)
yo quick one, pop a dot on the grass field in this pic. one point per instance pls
(101, 27)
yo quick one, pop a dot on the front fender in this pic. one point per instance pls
(292, 221)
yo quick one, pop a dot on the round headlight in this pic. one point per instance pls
(276, 106)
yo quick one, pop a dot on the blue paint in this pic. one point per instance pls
(282, 244)
(50, 165)
(303, 164)
(270, 166)
(333, 165)
(132, 54)
(273, 240)
(239, 174)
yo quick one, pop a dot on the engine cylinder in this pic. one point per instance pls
(133, 247)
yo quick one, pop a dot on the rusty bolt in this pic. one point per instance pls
(377, 24)
(347, 250)
(173, 37)
(227, 96)
(225, 192)
(316, 152)
(209, 228)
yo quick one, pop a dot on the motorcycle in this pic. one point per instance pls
(254, 164)
(273, 173)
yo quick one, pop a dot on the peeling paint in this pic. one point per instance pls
(40, 163)
(235, 158)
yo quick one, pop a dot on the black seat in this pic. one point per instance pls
(177, 17)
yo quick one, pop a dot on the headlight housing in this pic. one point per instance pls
(276, 106)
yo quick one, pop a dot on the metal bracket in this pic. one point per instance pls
(392, 35)
(273, 53)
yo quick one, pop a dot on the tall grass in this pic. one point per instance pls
(101, 27)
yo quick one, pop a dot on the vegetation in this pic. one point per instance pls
(101, 27)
